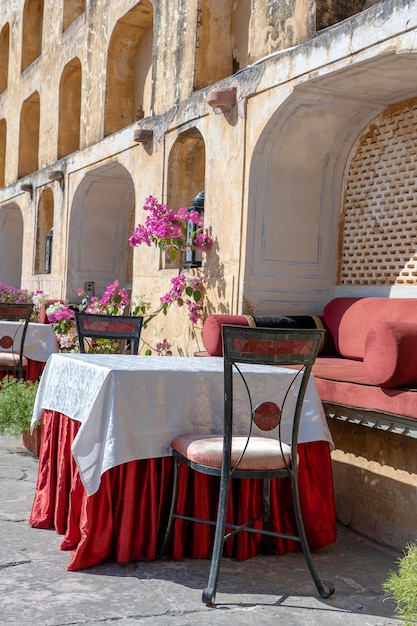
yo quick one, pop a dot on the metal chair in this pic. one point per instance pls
(254, 455)
(12, 359)
(108, 333)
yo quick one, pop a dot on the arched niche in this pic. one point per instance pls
(186, 169)
(11, 244)
(186, 172)
(240, 33)
(222, 40)
(44, 223)
(99, 230)
(4, 56)
(32, 32)
(29, 135)
(72, 10)
(297, 185)
(330, 12)
(129, 69)
(69, 108)
(3, 141)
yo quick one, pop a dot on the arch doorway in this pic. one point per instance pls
(101, 222)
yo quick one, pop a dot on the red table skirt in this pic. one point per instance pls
(126, 518)
(33, 370)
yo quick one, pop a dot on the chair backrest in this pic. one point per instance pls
(108, 333)
(295, 349)
(15, 312)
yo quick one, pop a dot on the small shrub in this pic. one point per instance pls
(402, 586)
(17, 399)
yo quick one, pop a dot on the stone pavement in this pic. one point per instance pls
(36, 589)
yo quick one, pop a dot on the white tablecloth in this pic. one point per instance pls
(132, 407)
(40, 340)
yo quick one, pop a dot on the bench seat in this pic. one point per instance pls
(349, 395)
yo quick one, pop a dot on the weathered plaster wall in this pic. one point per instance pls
(280, 24)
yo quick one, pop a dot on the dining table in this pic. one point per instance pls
(105, 465)
(40, 343)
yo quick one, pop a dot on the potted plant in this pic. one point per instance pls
(402, 585)
(17, 399)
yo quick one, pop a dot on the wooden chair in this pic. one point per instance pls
(108, 333)
(253, 455)
(12, 342)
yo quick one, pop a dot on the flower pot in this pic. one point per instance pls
(32, 442)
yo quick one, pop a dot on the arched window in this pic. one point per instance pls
(4, 57)
(29, 135)
(69, 109)
(129, 69)
(32, 32)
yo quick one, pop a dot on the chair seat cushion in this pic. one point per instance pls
(261, 454)
(11, 359)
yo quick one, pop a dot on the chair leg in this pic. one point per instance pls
(324, 588)
(266, 540)
(209, 593)
(172, 509)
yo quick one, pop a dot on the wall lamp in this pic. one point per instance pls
(222, 98)
(143, 135)
(58, 176)
(27, 187)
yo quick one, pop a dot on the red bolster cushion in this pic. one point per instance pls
(212, 331)
(390, 357)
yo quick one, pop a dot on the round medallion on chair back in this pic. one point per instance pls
(267, 415)
(6, 342)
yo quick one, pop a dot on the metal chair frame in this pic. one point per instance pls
(92, 326)
(280, 347)
(16, 312)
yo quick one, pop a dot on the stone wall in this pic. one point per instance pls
(375, 478)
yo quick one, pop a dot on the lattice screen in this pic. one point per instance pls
(379, 239)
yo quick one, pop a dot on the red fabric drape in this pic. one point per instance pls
(126, 518)
(33, 370)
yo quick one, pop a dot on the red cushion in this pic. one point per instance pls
(350, 319)
(345, 382)
(390, 358)
(212, 331)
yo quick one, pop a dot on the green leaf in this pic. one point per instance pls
(197, 296)
(189, 291)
